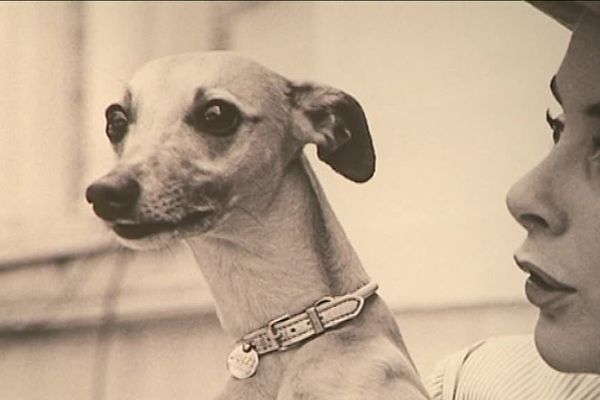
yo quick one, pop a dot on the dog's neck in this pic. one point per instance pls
(281, 261)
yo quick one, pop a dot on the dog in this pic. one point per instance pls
(210, 151)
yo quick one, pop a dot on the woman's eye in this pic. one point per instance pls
(218, 118)
(557, 125)
(116, 123)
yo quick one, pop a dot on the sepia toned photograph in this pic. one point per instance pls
(300, 200)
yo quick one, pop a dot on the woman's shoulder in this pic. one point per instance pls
(506, 367)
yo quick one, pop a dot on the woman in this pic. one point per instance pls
(558, 203)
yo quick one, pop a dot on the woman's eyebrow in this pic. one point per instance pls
(593, 110)
(554, 90)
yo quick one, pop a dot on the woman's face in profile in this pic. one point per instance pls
(558, 203)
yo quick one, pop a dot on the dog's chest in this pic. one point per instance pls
(264, 385)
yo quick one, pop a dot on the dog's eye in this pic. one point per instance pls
(116, 123)
(217, 118)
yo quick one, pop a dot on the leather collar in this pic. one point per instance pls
(291, 330)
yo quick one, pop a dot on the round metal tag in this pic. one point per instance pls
(242, 361)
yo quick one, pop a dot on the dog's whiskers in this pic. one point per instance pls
(242, 246)
(251, 215)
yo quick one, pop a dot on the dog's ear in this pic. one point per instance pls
(336, 123)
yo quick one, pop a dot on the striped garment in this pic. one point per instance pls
(507, 368)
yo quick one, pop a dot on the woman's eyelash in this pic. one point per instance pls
(556, 125)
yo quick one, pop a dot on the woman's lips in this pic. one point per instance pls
(542, 289)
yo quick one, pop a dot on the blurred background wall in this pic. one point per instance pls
(455, 94)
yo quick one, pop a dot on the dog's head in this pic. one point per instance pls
(200, 135)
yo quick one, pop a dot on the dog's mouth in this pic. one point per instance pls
(139, 230)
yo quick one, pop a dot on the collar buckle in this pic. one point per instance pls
(322, 300)
(275, 334)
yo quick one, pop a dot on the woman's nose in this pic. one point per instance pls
(532, 202)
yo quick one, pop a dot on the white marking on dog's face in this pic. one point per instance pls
(205, 132)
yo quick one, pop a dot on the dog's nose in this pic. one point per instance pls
(113, 195)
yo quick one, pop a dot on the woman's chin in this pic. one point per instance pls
(566, 349)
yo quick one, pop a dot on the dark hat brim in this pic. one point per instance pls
(567, 13)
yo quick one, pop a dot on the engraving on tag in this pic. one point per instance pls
(242, 361)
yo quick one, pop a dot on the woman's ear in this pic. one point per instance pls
(336, 123)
